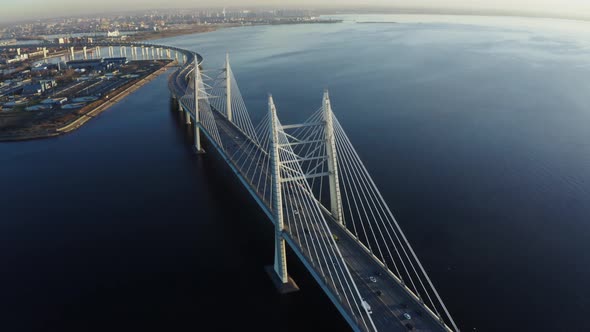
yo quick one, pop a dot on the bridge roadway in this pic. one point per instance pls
(388, 307)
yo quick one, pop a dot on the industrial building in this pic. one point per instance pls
(102, 64)
(39, 87)
(94, 64)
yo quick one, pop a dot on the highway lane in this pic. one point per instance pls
(394, 301)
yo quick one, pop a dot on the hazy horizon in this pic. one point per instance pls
(40, 9)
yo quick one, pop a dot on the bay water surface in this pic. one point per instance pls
(475, 129)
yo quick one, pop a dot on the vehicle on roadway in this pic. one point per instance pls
(407, 315)
(367, 307)
(373, 279)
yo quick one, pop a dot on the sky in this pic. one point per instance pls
(12, 10)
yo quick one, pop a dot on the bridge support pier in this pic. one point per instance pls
(278, 272)
(197, 148)
(187, 117)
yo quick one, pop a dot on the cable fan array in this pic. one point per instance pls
(323, 185)
(362, 210)
(218, 87)
(205, 114)
(308, 228)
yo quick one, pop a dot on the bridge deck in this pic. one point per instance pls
(388, 307)
(387, 298)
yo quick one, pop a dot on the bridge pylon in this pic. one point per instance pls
(335, 197)
(197, 83)
(278, 272)
(228, 88)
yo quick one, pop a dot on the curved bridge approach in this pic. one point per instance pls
(88, 51)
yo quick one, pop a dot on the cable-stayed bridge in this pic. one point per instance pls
(311, 183)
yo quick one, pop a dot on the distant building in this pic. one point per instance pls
(54, 101)
(18, 58)
(32, 89)
(14, 103)
(94, 64)
(40, 67)
(115, 62)
(47, 84)
(38, 88)
(4, 42)
(97, 64)
(40, 107)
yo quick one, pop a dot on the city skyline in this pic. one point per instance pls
(40, 9)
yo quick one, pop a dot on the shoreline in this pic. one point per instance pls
(96, 109)
(196, 29)
(92, 110)
(212, 28)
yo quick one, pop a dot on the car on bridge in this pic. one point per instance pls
(367, 307)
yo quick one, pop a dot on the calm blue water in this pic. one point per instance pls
(475, 129)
